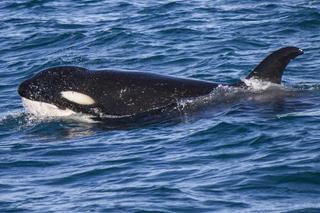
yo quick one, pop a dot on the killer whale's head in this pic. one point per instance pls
(58, 91)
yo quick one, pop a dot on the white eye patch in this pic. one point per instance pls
(77, 97)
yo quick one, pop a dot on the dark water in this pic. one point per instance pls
(256, 154)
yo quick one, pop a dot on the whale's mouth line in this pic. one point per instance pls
(43, 109)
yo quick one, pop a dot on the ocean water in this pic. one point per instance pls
(237, 152)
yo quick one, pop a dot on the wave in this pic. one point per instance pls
(307, 113)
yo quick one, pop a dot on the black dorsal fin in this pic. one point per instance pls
(272, 67)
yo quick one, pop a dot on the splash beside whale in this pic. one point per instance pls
(66, 90)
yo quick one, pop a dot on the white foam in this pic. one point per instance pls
(307, 113)
(258, 85)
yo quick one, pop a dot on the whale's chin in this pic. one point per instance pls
(42, 109)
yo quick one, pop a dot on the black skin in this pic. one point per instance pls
(115, 92)
(126, 93)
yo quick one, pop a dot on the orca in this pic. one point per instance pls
(67, 90)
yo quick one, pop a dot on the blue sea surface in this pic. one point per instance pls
(259, 154)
